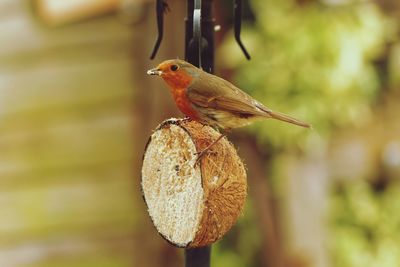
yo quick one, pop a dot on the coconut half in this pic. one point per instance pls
(192, 205)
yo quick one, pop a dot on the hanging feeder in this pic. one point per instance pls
(192, 205)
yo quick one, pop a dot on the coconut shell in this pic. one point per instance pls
(192, 205)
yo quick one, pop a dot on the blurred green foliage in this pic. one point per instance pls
(238, 248)
(310, 60)
(319, 61)
(365, 226)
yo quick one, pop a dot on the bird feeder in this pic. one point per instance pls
(192, 204)
(212, 180)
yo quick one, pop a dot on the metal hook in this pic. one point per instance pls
(197, 29)
(237, 12)
(161, 8)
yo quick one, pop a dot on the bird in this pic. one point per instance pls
(212, 100)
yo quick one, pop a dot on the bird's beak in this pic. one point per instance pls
(154, 71)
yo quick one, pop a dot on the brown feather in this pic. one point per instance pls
(211, 92)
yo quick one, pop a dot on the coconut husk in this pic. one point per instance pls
(192, 205)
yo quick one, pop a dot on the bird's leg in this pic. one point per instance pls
(206, 150)
(187, 118)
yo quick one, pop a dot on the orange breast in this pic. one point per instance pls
(183, 103)
(178, 82)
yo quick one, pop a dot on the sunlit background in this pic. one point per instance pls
(76, 110)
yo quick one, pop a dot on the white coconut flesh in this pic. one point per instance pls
(172, 187)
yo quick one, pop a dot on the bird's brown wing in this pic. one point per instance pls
(209, 91)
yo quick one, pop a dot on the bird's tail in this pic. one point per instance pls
(286, 118)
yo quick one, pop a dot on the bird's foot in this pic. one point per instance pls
(202, 153)
(207, 150)
(186, 119)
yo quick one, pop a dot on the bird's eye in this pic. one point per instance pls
(174, 67)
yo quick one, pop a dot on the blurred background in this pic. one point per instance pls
(76, 110)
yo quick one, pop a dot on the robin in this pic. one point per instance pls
(212, 100)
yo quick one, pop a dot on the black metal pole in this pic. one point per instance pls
(199, 50)
(207, 33)
(198, 257)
